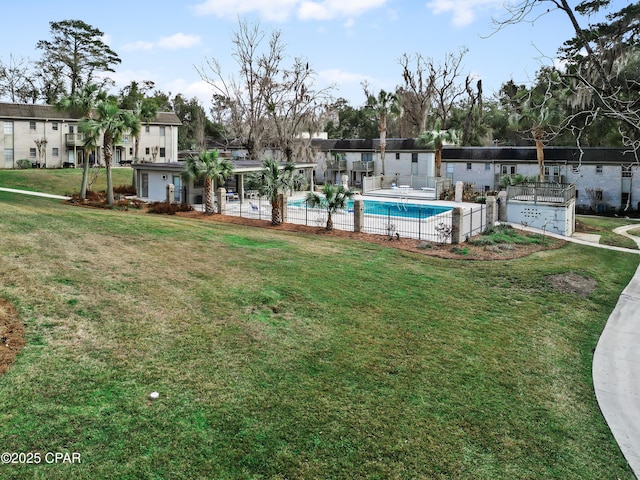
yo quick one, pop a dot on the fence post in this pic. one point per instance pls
(283, 206)
(456, 225)
(222, 200)
(492, 211)
(502, 206)
(358, 215)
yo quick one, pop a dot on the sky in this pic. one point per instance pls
(345, 42)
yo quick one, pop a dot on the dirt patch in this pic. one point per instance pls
(463, 251)
(11, 335)
(573, 283)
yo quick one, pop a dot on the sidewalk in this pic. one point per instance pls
(616, 360)
(35, 194)
(616, 369)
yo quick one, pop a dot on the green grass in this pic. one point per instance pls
(604, 226)
(59, 181)
(280, 355)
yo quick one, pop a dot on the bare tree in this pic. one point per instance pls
(447, 85)
(15, 80)
(416, 95)
(602, 62)
(268, 103)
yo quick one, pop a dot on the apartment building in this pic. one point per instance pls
(49, 138)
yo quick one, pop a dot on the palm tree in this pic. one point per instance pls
(111, 123)
(213, 169)
(82, 104)
(273, 180)
(436, 140)
(384, 105)
(335, 198)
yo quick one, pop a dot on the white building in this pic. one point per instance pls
(49, 138)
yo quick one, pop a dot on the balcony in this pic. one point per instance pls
(363, 167)
(74, 139)
(337, 165)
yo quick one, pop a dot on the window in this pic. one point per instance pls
(71, 129)
(598, 168)
(54, 126)
(198, 182)
(398, 155)
(8, 156)
(414, 157)
(508, 170)
(147, 151)
(130, 150)
(367, 157)
(162, 131)
(552, 171)
(32, 125)
(487, 167)
(146, 128)
(8, 128)
(54, 151)
(32, 152)
(626, 171)
(450, 168)
(162, 152)
(468, 166)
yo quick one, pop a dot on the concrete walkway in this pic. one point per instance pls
(616, 369)
(35, 194)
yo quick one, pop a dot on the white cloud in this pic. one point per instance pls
(173, 42)
(179, 40)
(464, 11)
(280, 10)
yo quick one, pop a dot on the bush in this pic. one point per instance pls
(169, 208)
(23, 163)
(124, 190)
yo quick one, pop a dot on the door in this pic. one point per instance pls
(177, 197)
(144, 185)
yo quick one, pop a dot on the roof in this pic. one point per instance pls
(51, 113)
(529, 154)
(239, 166)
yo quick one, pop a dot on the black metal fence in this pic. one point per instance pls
(421, 223)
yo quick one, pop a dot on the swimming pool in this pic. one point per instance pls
(393, 209)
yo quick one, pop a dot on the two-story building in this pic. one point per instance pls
(48, 137)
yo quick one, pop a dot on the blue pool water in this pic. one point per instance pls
(394, 209)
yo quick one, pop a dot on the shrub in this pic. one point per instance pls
(169, 208)
(23, 163)
(124, 190)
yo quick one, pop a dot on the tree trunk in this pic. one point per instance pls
(329, 221)
(438, 162)
(540, 156)
(208, 196)
(85, 179)
(110, 198)
(276, 212)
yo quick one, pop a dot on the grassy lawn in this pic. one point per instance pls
(604, 226)
(281, 355)
(64, 181)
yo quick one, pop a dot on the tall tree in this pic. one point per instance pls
(82, 104)
(436, 139)
(416, 94)
(76, 50)
(213, 169)
(111, 124)
(15, 80)
(268, 103)
(383, 105)
(601, 61)
(274, 180)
